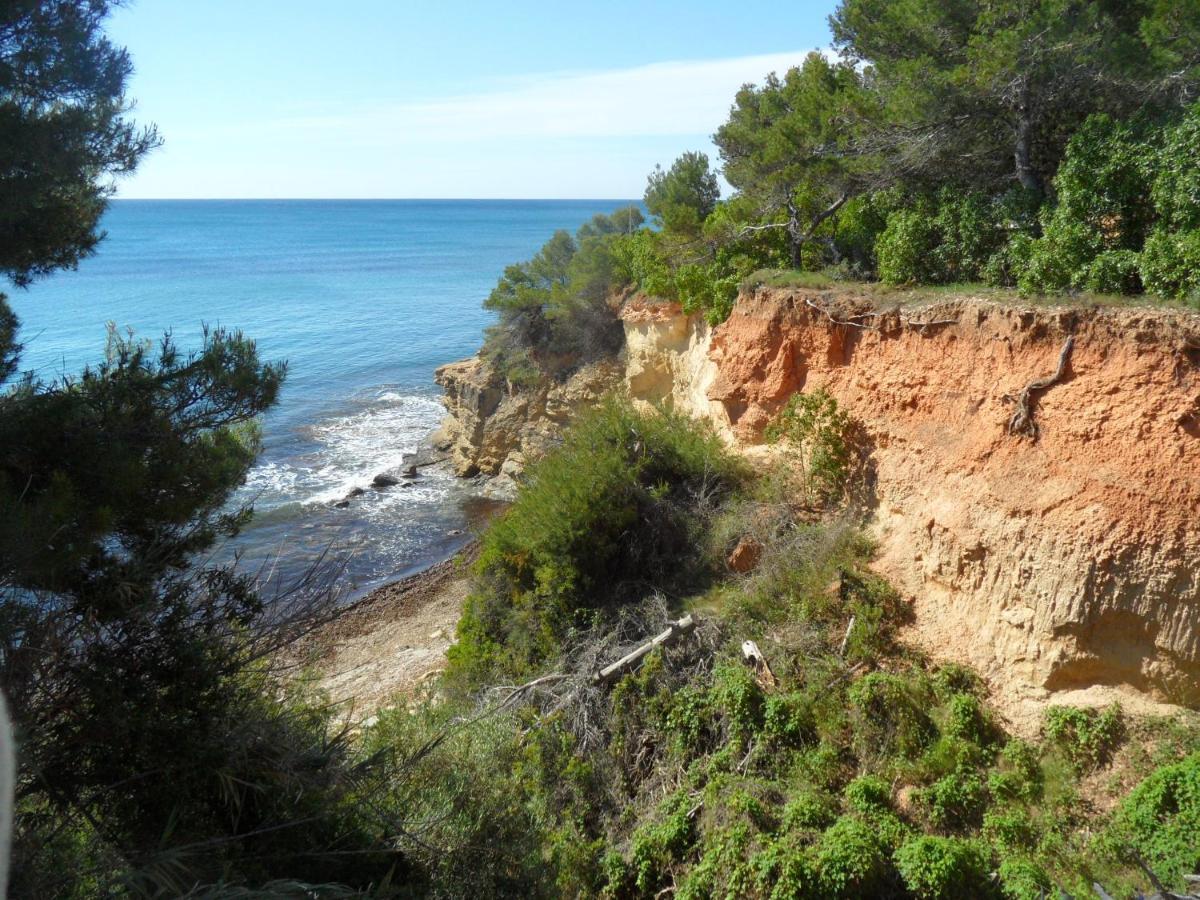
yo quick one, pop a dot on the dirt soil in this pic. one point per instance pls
(392, 641)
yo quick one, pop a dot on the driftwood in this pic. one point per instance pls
(674, 630)
(762, 670)
(1022, 419)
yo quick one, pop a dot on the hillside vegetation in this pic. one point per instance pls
(850, 767)
(165, 750)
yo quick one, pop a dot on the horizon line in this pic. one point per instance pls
(374, 199)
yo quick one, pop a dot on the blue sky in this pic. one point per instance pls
(368, 98)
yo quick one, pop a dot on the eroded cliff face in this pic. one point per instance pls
(1064, 562)
(1050, 564)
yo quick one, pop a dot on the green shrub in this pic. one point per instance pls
(1009, 829)
(955, 801)
(1103, 182)
(809, 810)
(1005, 267)
(605, 518)
(858, 227)
(708, 290)
(850, 860)
(906, 247)
(868, 794)
(938, 868)
(1019, 775)
(969, 233)
(819, 431)
(1086, 737)
(1114, 272)
(1170, 264)
(1160, 820)
(1023, 879)
(965, 720)
(1176, 190)
(891, 715)
(1059, 258)
(657, 844)
(952, 678)
(789, 720)
(783, 871)
(740, 699)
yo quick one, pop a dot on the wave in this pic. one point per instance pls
(333, 456)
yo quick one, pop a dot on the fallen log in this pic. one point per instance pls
(674, 630)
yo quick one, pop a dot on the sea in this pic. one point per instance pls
(363, 299)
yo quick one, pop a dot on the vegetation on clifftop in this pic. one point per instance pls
(1042, 145)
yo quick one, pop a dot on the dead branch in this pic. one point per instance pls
(762, 669)
(1022, 419)
(629, 660)
(846, 638)
(849, 322)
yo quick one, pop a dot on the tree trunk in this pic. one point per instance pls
(1023, 154)
(795, 235)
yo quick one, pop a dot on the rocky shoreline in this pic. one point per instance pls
(390, 642)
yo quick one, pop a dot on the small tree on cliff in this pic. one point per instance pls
(683, 196)
(789, 147)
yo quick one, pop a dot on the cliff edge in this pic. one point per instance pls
(1061, 559)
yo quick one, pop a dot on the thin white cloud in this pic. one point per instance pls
(668, 98)
(565, 134)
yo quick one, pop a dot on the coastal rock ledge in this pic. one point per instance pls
(493, 429)
(1062, 564)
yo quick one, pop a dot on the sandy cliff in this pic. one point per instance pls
(1052, 564)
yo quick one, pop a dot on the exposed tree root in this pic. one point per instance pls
(1022, 419)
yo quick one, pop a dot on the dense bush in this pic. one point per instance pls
(905, 249)
(606, 518)
(1087, 736)
(1170, 264)
(1160, 821)
(939, 868)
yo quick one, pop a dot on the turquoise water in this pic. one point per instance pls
(364, 299)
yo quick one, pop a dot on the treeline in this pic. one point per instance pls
(1046, 145)
(159, 753)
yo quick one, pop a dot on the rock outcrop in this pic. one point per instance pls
(492, 429)
(1062, 562)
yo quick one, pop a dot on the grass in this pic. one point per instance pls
(889, 296)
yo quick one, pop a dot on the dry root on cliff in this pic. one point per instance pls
(1022, 419)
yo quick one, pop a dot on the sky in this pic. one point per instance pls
(379, 99)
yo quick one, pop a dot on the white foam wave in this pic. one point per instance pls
(345, 452)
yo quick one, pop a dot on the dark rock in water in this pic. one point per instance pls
(341, 504)
(383, 480)
(355, 492)
(410, 472)
(454, 532)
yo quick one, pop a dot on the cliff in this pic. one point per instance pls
(1051, 563)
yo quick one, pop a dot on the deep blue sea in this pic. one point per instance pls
(364, 299)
